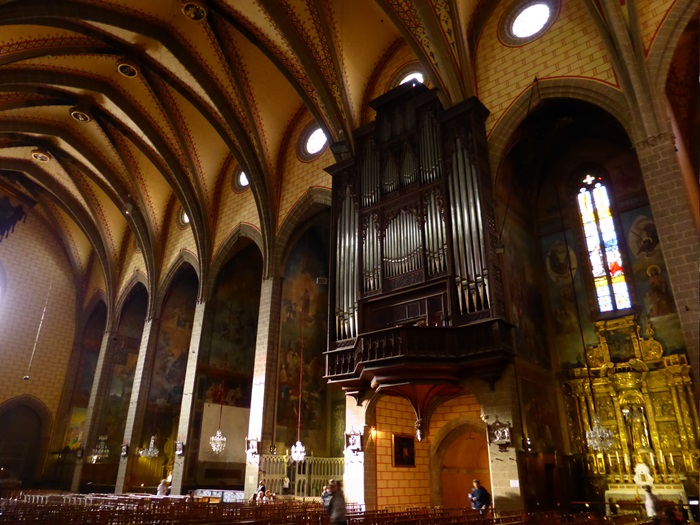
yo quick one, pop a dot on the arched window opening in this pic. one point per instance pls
(612, 292)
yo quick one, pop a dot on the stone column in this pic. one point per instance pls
(263, 395)
(188, 394)
(138, 401)
(678, 236)
(359, 480)
(502, 402)
(97, 395)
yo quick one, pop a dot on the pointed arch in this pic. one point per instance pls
(312, 202)
(606, 97)
(185, 257)
(228, 249)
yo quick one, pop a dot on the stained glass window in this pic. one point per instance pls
(611, 288)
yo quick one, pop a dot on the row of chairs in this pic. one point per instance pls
(64, 509)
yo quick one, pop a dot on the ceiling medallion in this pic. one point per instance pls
(194, 11)
(41, 155)
(127, 70)
(80, 115)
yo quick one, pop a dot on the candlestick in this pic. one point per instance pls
(670, 456)
(651, 457)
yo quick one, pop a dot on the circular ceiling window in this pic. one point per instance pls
(312, 142)
(527, 20)
(184, 219)
(240, 181)
(416, 76)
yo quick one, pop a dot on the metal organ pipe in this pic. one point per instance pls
(429, 151)
(346, 274)
(470, 263)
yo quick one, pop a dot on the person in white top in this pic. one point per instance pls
(162, 489)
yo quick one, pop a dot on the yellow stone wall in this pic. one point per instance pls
(572, 47)
(651, 15)
(32, 259)
(298, 175)
(177, 238)
(401, 486)
(235, 208)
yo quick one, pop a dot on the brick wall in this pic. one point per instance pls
(651, 14)
(32, 260)
(408, 485)
(298, 176)
(572, 47)
(176, 238)
(234, 209)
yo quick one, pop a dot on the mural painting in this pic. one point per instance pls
(526, 301)
(121, 369)
(568, 299)
(657, 309)
(227, 371)
(170, 362)
(540, 417)
(303, 327)
(90, 343)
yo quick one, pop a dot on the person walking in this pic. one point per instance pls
(480, 497)
(336, 506)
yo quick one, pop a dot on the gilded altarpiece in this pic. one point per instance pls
(646, 399)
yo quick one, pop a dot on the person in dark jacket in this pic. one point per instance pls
(336, 507)
(480, 497)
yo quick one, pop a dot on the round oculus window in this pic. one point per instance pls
(527, 20)
(316, 141)
(240, 181)
(312, 142)
(415, 76)
(530, 20)
(184, 219)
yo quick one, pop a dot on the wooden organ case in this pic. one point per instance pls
(416, 293)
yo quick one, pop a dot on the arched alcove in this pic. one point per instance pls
(25, 422)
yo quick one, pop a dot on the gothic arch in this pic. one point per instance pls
(606, 97)
(440, 443)
(312, 202)
(228, 250)
(661, 53)
(44, 414)
(185, 257)
(137, 278)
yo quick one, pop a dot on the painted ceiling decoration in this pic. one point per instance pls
(121, 113)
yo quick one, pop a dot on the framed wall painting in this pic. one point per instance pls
(403, 452)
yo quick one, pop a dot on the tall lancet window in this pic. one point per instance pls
(612, 292)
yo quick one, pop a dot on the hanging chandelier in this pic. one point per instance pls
(299, 450)
(218, 442)
(101, 450)
(150, 452)
(599, 438)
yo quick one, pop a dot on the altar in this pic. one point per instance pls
(628, 498)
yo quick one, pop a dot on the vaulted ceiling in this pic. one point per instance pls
(116, 114)
(111, 111)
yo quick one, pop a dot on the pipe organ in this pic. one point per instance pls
(413, 221)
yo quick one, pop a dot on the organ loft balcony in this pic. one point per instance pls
(416, 293)
(421, 354)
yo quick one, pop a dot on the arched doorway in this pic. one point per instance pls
(465, 459)
(23, 440)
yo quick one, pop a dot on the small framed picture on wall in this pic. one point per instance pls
(403, 450)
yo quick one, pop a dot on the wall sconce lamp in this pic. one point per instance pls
(179, 448)
(125, 450)
(252, 448)
(353, 442)
(498, 433)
